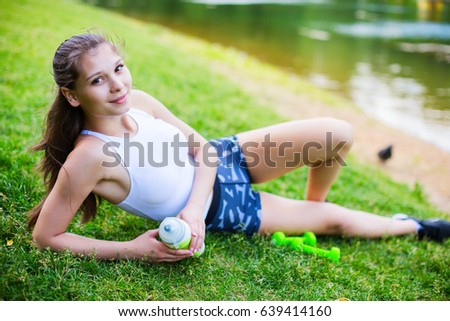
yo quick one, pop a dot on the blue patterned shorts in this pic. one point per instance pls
(235, 206)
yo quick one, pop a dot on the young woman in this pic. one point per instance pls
(106, 140)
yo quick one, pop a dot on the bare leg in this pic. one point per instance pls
(322, 175)
(321, 144)
(295, 217)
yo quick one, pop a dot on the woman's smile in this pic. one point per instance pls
(120, 100)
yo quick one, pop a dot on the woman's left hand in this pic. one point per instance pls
(193, 215)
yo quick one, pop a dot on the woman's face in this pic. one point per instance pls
(104, 84)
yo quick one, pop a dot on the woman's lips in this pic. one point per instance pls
(120, 100)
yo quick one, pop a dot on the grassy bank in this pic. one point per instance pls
(177, 70)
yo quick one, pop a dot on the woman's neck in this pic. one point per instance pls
(112, 125)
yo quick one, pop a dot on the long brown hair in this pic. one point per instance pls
(63, 122)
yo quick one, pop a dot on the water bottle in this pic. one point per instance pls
(176, 234)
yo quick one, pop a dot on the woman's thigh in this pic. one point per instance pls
(272, 151)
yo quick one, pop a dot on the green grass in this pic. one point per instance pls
(176, 69)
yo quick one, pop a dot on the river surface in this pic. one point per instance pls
(392, 58)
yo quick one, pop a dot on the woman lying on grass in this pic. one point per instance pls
(106, 140)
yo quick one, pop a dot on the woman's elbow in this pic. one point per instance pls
(41, 240)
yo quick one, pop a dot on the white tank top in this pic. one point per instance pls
(157, 160)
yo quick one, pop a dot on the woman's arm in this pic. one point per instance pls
(77, 178)
(205, 159)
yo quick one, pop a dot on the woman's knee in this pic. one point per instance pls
(340, 131)
(339, 221)
(333, 140)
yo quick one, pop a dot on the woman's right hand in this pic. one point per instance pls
(148, 247)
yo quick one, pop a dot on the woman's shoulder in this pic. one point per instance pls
(87, 155)
(82, 170)
(145, 102)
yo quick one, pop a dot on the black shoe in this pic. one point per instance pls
(434, 229)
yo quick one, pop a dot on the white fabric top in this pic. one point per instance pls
(160, 168)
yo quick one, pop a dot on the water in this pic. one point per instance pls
(391, 58)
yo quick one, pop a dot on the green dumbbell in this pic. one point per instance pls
(334, 254)
(306, 244)
(280, 239)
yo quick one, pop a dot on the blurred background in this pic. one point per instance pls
(391, 58)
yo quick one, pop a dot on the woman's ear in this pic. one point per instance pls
(70, 96)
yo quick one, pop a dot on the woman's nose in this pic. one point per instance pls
(116, 84)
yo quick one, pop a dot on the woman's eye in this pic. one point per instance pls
(96, 81)
(119, 68)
